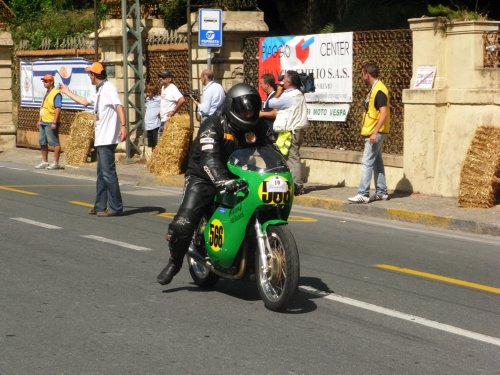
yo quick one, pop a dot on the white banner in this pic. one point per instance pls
(71, 72)
(327, 112)
(327, 56)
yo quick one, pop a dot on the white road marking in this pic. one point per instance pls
(117, 243)
(16, 169)
(37, 223)
(410, 318)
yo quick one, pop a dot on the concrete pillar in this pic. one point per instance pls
(7, 127)
(227, 61)
(440, 122)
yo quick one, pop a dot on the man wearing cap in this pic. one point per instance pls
(171, 98)
(109, 131)
(48, 123)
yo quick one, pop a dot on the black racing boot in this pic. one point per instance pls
(168, 273)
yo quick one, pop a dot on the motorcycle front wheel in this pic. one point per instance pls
(278, 285)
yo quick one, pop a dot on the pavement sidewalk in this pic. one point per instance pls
(416, 208)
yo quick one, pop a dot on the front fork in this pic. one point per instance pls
(263, 243)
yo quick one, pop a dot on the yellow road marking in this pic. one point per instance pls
(78, 203)
(301, 219)
(17, 190)
(445, 279)
(297, 219)
(168, 215)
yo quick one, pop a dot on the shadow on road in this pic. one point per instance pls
(141, 210)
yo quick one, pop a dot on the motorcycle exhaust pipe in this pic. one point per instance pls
(198, 258)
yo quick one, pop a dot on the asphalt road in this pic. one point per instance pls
(79, 294)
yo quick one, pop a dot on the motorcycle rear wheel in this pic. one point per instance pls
(201, 274)
(278, 286)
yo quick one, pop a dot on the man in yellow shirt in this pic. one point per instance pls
(376, 125)
(48, 124)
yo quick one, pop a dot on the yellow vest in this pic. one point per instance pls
(284, 142)
(372, 114)
(48, 111)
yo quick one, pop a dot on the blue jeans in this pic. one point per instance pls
(107, 187)
(372, 163)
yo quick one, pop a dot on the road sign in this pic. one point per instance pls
(210, 28)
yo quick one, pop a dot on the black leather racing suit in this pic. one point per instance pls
(215, 142)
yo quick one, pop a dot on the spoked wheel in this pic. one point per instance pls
(279, 284)
(200, 273)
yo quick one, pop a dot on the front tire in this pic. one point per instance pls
(278, 285)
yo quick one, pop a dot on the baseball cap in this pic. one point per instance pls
(166, 74)
(95, 68)
(48, 77)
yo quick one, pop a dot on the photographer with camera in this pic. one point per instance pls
(171, 98)
(291, 119)
(213, 95)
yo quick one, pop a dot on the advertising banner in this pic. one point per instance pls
(71, 72)
(327, 56)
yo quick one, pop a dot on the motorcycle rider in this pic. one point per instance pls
(233, 126)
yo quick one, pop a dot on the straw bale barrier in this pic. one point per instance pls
(171, 151)
(81, 139)
(480, 177)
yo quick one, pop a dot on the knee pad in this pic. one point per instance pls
(179, 235)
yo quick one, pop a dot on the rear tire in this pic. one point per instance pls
(201, 274)
(278, 286)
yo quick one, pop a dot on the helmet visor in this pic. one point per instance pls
(246, 107)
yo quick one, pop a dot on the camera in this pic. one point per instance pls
(195, 94)
(306, 82)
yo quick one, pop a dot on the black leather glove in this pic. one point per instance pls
(227, 186)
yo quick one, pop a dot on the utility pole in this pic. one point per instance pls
(133, 58)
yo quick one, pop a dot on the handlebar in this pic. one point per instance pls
(240, 186)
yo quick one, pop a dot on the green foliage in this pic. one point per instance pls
(54, 25)
(174, 13)
(459, 14)
(328, 28)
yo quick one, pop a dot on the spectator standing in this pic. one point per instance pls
(109, 131)
(291, 116)
(171, 98)
(152, 116)
(48, 124)
(376, 125)
(268, 85)
(213, 95)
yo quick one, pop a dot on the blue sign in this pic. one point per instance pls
(210, 28)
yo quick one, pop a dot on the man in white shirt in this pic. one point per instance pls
(109, 131)
(291, 116)
(171, 98)
(213, 95)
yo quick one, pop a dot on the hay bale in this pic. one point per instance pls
(480, 177)
(172, 149)
(81, 139)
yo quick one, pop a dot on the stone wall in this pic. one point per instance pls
(7, 128)
(440, 122)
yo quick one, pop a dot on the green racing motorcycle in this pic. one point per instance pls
(246, 233)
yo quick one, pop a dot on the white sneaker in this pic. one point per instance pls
(359, 199)
(42, 165)
(54, 166)
(379, 197)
